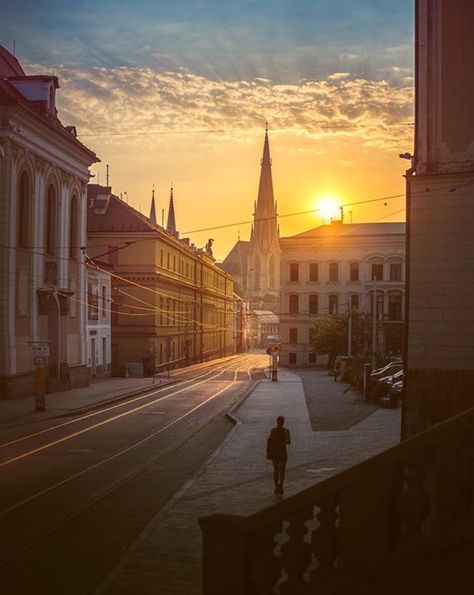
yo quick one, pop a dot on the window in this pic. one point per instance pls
(396, 272)
(93, 299)
(312, 335)
(24, 211)
(174, 263)
(104, 300)
(333, 271)
(333, 304)
(354, 301)
(313, 304)
(294, 271)
(73, 229)
(354, 271)
(395, 306)
(293, 335)
(292, 358)
(51, 222)
(380, 307)
(294, 304)
(312, 358)
(313, 271)
(167, 260)
(271, 272)
(257, 274)
(161, 257)
(377, 272)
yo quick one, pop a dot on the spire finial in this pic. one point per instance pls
(152, 207)
(266, 126)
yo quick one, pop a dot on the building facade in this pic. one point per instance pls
(440, 198)
(44, 171)
(332, 268)
(99, 332)
(171, 304)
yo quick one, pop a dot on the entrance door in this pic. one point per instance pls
(93, 361)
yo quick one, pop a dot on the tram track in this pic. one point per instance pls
(111, 490)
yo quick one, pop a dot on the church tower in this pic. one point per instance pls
(263, 267)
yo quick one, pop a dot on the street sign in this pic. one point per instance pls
(39, 349)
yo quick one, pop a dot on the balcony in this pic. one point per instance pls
(402, 520)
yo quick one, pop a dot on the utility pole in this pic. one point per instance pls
(374, 326)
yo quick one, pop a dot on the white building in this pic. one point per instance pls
(333, 267)
(44, 172)
(99, 347)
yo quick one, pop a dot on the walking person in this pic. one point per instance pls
(276, 451)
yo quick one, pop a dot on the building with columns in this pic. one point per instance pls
(332, 268)
(440, 218)
(44, 171)
(255, 264)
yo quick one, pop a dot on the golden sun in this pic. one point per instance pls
(329, 208)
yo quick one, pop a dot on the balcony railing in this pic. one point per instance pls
(379, 518)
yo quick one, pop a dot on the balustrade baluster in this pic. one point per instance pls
(265, 565)
(296, 553)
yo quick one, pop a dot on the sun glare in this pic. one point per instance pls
(329, 208)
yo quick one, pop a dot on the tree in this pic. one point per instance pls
(330, 335)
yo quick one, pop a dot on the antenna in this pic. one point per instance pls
(14, 47)
(107, 176)
(162, 217)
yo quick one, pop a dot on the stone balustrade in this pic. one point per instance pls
(377, 519)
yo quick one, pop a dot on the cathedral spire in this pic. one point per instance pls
(171, 225)
(152, 207)
(265, 216)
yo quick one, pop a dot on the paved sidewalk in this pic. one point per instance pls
(237, 479)
(21, 410)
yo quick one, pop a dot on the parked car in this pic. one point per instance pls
(382, 386)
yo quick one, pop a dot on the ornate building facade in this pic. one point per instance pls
(44, 171)
(332, 268)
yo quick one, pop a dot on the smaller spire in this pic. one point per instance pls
(153, 208)
(171, 225)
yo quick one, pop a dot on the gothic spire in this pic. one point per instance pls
(152, 207)
(265, 216)
(171, 225)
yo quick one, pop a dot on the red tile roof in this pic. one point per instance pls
(9, 65)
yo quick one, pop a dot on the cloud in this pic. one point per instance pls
(144, 102)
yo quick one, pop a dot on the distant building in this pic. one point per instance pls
(171, 304)
(263, 324)
(44, 171)
(99, 332)
(255, 264)
(332, 268)
(440, 199)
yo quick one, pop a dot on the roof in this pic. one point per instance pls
(338, 229)
(9, 65)
(10, 68)
(107, 212)
(235, 262)
(266, 317)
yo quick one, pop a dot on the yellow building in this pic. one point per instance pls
(171, 304)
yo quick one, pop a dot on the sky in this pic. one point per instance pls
(179, 93)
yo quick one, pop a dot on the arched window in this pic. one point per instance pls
(51, 222)
(257, 273)
(24, 212)
(272, 272)
(74, 229)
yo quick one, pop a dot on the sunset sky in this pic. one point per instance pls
(180, 92)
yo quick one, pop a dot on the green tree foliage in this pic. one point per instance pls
(330, 334)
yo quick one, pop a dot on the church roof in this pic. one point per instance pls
(171, 224)
(235, 263)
